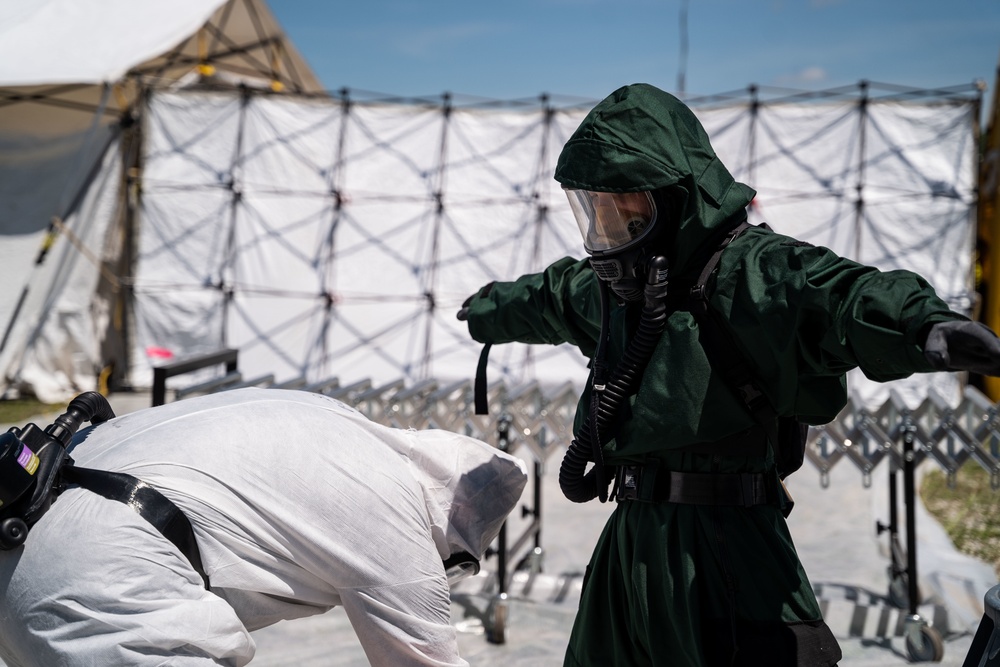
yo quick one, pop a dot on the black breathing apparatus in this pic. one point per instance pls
(624, 234)
(625, 273)
(35, 468)
(609, 391)
(32, 461)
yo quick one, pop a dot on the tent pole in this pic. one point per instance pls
(752, 138)
(541, 216)
(133, 134)
(859, 203)
(329, 276)
(426, 365)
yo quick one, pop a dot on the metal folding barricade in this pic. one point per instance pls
(540, 420)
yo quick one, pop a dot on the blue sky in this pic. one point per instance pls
(521, 48)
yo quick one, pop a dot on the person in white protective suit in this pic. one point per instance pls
(298, 503)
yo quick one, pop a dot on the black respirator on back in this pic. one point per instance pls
(35, 468)
(31, 463)
(618, 233)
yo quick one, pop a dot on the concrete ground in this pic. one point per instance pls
(834, 531)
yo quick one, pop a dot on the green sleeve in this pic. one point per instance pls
(882, 325)
(559, 305)
(845, 314)
(806, 316)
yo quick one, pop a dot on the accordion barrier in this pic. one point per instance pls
(535, 422)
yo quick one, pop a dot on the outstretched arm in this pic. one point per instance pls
(558, 305)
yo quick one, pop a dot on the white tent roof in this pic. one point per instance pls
(90, 41)
(49, 42)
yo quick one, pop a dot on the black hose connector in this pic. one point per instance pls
(89, 406)
(576, 485)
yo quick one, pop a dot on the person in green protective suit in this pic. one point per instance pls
(696, 566)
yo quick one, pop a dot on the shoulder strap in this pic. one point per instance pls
(699, 293)
(721, 350)
(482, 403)
(147, 502)
(725, 356)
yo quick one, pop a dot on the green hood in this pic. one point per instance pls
(642, 138)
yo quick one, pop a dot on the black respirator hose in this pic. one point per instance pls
(577, 486)
(89, 406)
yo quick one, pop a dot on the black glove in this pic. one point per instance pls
(960, 345)
(463, 312)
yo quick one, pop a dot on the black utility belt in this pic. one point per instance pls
(646, 483)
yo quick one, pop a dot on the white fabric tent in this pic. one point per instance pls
(91, 41)
(72, 73)
(338, 236)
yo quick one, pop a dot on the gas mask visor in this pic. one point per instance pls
(460, 566)
(612, 221)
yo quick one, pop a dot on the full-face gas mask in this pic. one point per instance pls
(617, 228)
(460, 566)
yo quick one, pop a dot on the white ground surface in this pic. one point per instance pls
(834, 531)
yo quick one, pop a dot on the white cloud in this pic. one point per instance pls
(804, 76)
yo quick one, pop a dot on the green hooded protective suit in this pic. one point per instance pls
(690, 584)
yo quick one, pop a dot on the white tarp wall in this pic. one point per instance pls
(68, 317)
(329, 254)
(327, 238)
(887, 183)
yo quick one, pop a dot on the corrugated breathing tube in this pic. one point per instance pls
(606, 398)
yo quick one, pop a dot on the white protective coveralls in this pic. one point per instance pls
(298, 504)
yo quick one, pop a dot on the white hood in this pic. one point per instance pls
(470, 488)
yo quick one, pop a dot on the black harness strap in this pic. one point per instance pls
(147, 502)
(482, 402)
(721, 349)
(726, 358)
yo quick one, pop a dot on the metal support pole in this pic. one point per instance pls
(909, 494)
(893, 509)
(496, 613)
(897, 570)
(502, 559)
(503, 444)
(538, 504)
